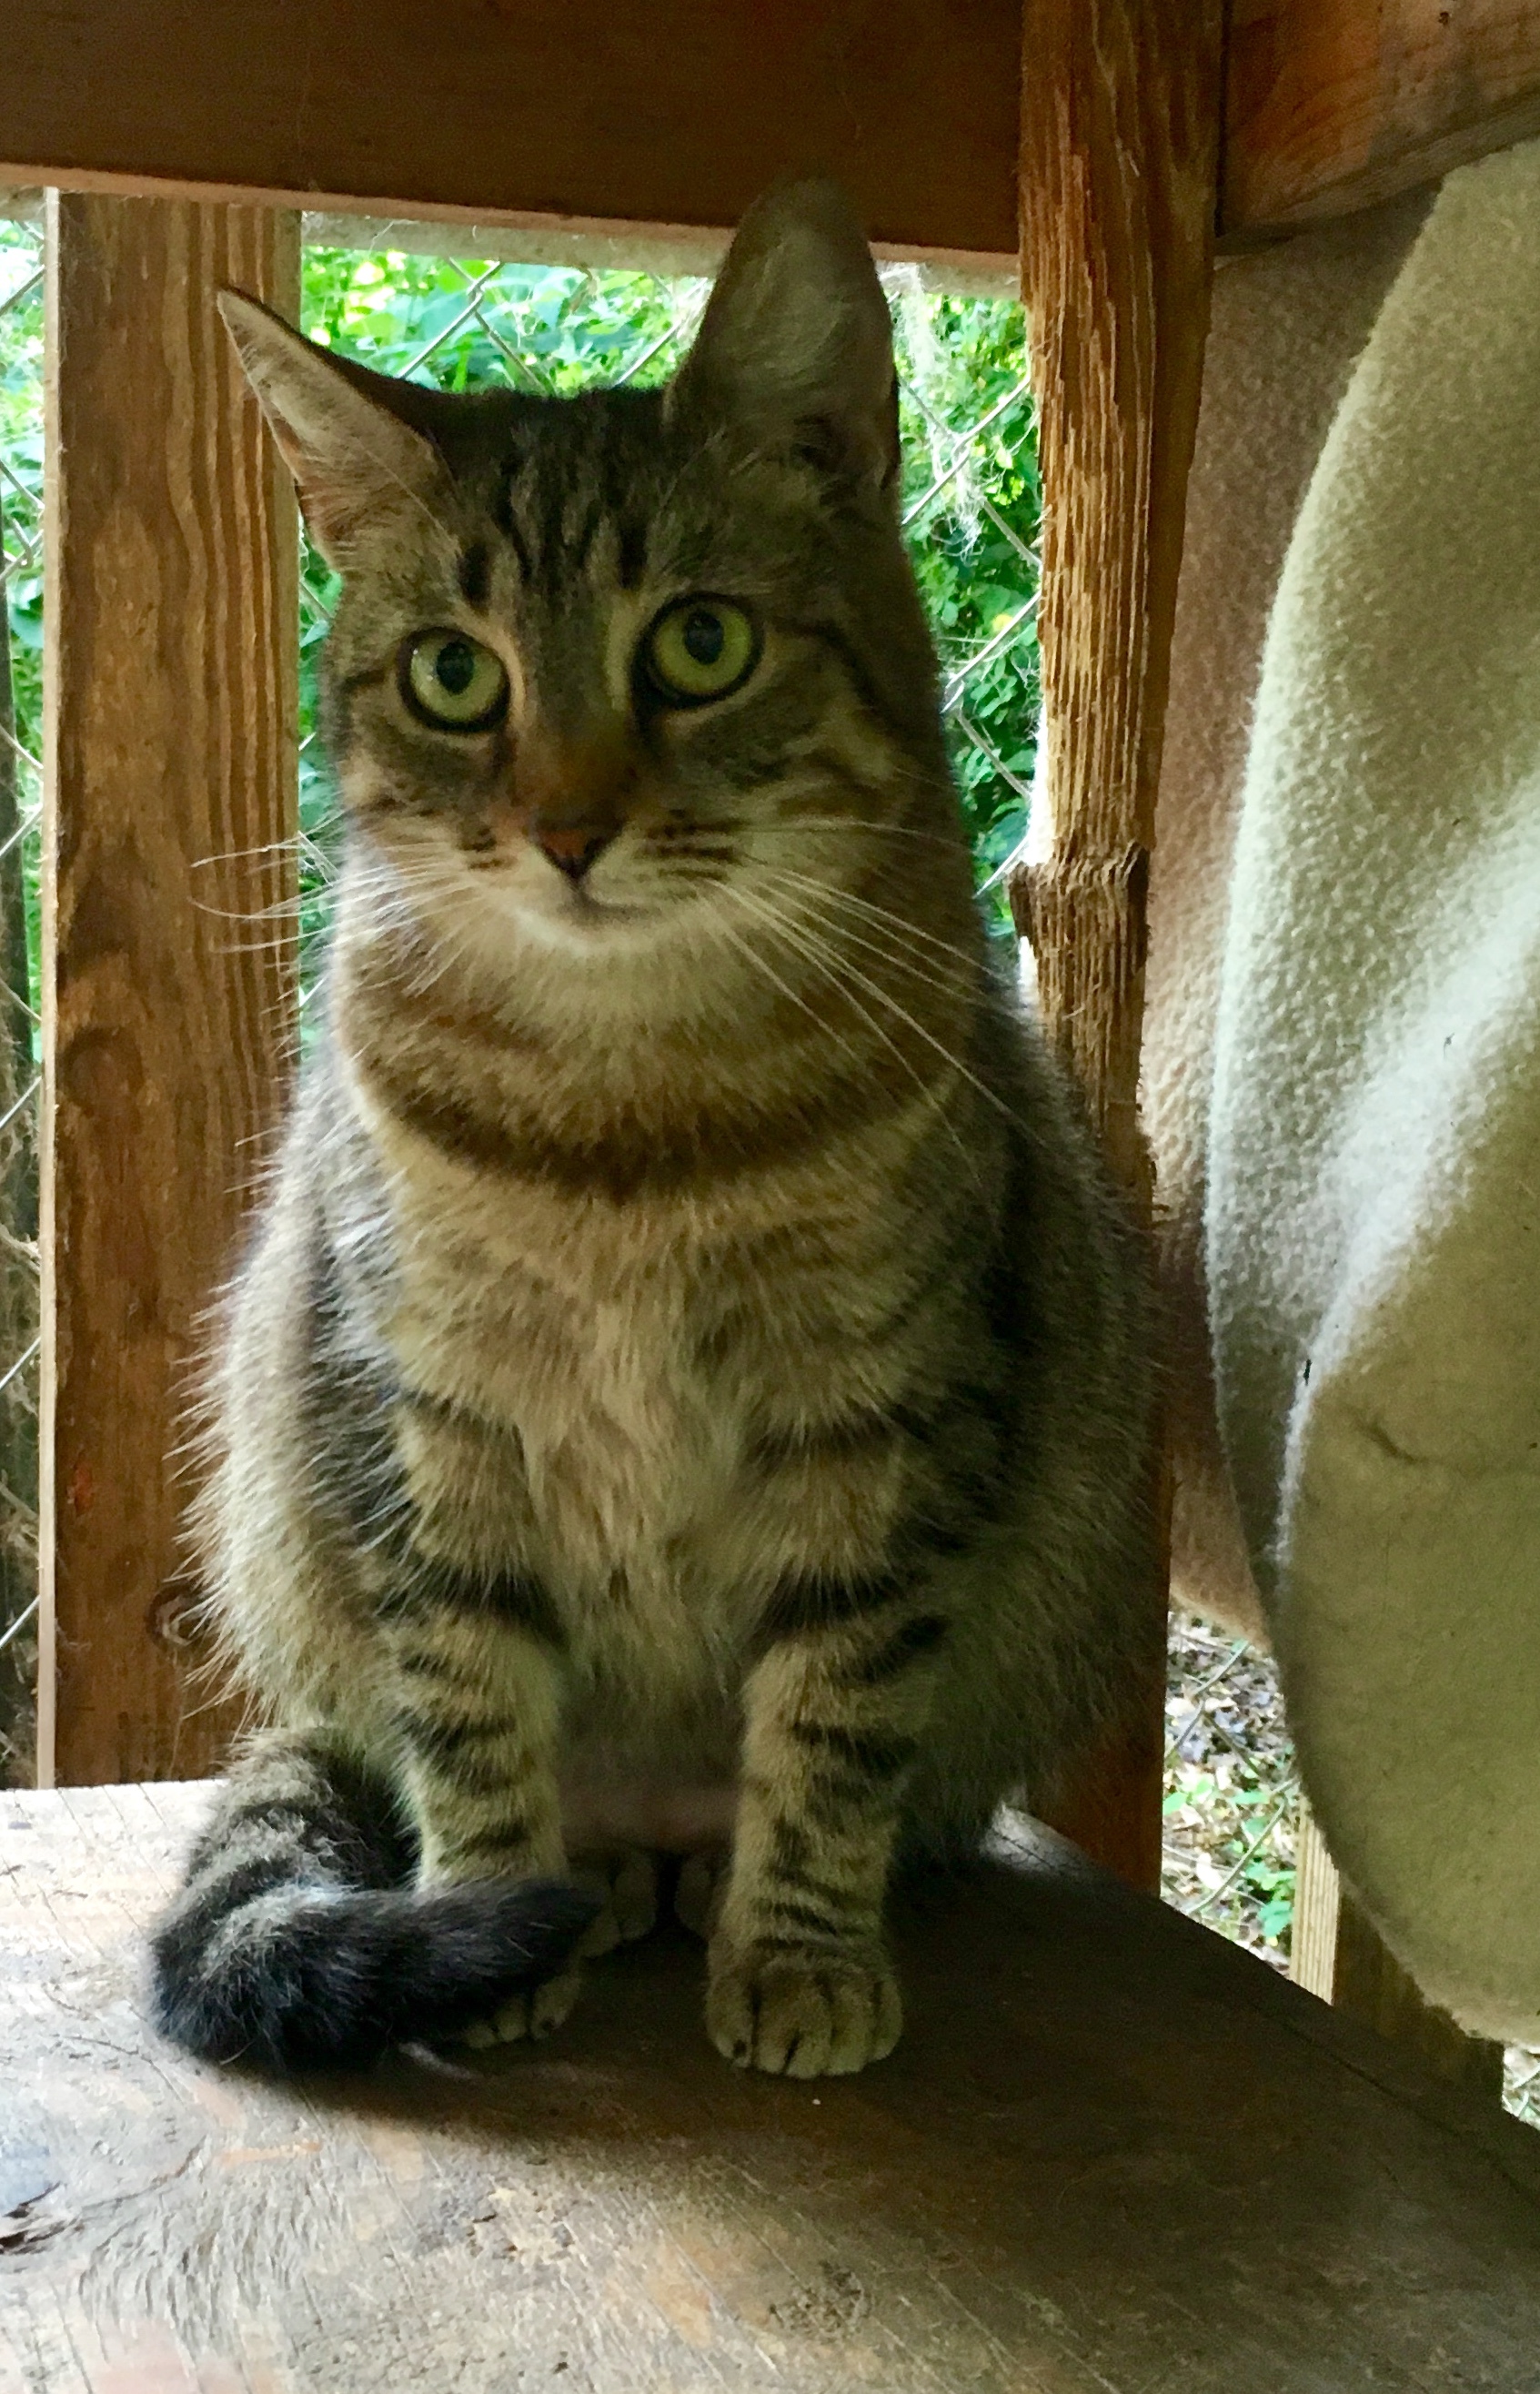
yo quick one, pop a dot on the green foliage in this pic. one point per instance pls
(547, 330)
(972, 504)
(22, 471)
(21, 528)
(1242, 1831)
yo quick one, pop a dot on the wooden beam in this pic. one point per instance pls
(602, 116)
(1334, 104)
(1339, 1955)
(673, 114)
(172, 642)
(1120, 125)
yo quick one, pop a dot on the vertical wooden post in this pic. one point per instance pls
(172, 643)
(1339, 1955)
(1120, 121)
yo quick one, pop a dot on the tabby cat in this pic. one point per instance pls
(689, 1392)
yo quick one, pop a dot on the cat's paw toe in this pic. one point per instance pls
(698, 1892)
(813, 2015)
(626, 1885)
(533, 2014)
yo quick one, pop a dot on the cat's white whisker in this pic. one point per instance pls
(798, 826)
(746, 948)
(856, 977)
(827, 962)
(883, 915)
(960, 967)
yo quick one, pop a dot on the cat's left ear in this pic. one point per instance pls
(797, 342)
(346, 434)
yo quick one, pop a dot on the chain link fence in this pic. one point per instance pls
(21, 806)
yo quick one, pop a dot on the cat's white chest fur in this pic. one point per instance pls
(563, 1328)
(626, 1455)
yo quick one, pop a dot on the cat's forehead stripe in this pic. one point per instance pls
(573, 471)
(506, 520)
(632, 559)
(475, 573)
(549, 523)
(587, 530)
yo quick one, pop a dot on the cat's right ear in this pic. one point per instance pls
(337, 428)
(796, 341)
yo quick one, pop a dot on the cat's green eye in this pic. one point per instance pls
(451, 681)
(700, 649)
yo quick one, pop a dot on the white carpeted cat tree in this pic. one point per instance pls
(1342, 1064)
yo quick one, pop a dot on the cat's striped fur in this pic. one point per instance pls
(692, 1383)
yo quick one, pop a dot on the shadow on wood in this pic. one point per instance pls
(1111, 2153)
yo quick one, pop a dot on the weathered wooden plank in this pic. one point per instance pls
(1339, 1955)
(172, 629)
(1334, 104)
(1120, 125)
(1111, 2153)
(670, 114)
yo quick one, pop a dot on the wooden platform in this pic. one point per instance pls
(1113, 2155)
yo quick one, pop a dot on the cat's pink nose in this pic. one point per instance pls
(570, 847)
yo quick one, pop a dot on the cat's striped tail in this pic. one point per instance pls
(298, 1942)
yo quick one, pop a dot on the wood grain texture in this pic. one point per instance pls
(1112, 2154)
(1339, 1955)
(172, 630)
(1332, 105)
(1120, 127)
(676, 116)
(1317, 1908)
(670, 114)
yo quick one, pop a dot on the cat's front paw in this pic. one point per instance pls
(532, 2015)
(804, 2013)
